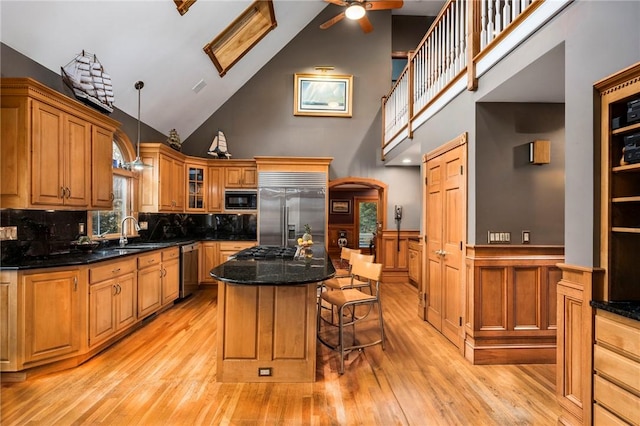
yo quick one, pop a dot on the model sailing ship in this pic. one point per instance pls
(90, 84)
(218, 147)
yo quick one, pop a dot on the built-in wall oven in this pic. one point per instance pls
(188, 269)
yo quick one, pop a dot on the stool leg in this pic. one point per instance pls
(341, 338)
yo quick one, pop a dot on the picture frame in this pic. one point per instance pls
(340, 206)
(323, 95)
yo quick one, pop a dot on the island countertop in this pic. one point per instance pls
(244, 270)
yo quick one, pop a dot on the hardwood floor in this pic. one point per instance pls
(165, 374)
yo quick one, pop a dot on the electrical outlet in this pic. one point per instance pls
(144, 226)
(8, 233)
(81, 228)
(264, 371)
(526, 237)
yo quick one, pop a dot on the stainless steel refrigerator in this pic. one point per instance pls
(287, 201)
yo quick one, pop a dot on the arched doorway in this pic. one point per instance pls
(353, 202)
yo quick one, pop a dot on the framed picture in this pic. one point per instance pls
(340, 206)
(322, 95)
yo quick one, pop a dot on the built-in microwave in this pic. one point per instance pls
(240, 199)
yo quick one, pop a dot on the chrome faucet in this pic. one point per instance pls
(123, 237)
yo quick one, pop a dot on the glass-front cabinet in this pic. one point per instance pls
(196, 186)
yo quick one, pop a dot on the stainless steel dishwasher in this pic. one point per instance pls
(188, 269)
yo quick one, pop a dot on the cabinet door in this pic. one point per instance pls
(170, 280)
(101, 311)
(196, 188)
(166, 190)
(77, 162)
(208, 260)
(101, 169)
(47, 180)
(249, 177)
(149, 290)
(178, 184)
(215, 189)
(125, 306)
(52, 314)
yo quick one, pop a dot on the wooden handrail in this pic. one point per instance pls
(461, 35)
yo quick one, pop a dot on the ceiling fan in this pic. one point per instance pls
(356, 10)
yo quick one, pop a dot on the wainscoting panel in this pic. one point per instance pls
(511, 303)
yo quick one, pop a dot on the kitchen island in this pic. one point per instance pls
(267, 315)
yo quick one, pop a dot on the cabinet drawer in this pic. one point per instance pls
(619, 335)
(618, 368)
(602, 416)
(617, 400)
(153, 258)
(111, 269)
(172, 253)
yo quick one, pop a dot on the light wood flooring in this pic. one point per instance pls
(164, 374)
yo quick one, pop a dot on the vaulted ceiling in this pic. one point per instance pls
(149, 40)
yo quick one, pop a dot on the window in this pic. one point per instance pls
(106, 223)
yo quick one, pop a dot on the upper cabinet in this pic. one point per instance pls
(620, 184)
(196, 175)
(52, 150)
(163, 182)
(240, 174)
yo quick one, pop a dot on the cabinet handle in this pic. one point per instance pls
(115, 271)
(75, 283)
(115, 289)
(62, 192)
(119, 289)
(112, 196)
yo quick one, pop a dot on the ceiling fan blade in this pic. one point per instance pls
(338, 2)
(339, 17)
(365, 24)
(380, 5)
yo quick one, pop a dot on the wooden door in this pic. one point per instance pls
(126, 302)
(101, 320)
(215, 189)
(170, 280)
(445, 222)
(149, 290)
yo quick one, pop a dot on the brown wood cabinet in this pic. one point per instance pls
(616, 359)
(149, 283)
(415, 263)
(197, 185)
(215, 189)
(619, 189)
(48, 144)
(112, 299)
(170, 275)
(8, 320)
(213, 253)
(240, 174)
(162, 186)
(52, 317)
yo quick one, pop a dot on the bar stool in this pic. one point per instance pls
(346, 301)
(344, 268)
(351, 280)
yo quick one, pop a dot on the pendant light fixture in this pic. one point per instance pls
(355, 10)
(137, 164)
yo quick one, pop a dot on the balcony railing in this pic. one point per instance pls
(467, 37)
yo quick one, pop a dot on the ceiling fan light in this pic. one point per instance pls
(355, 11)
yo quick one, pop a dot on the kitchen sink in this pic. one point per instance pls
(145, 246)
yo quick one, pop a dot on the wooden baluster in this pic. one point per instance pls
(490, 17)
(515, 10)
(483, 24)
(497, 20)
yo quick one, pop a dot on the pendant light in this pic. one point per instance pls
(355, 10)
(137, 163)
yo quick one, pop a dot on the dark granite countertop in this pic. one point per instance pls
(75, 257)
(629, 309)
(276, 271)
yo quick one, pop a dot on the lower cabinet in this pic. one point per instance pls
(214, 253)
(52, 317)
(112, 299)
(158, 280)
(616, 358)
(149, 283)
(415, 262)
(170, 275)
